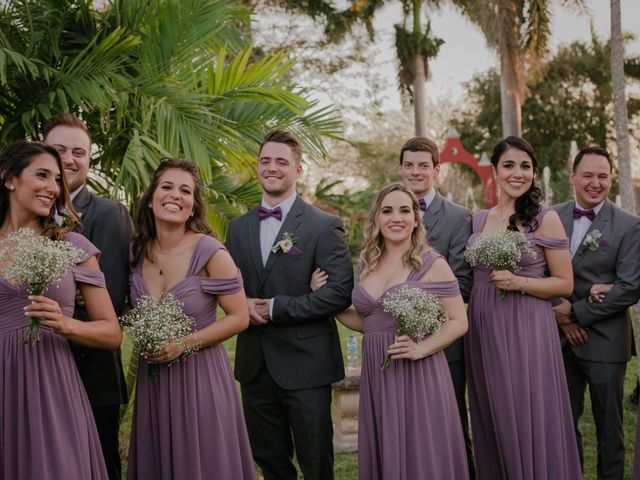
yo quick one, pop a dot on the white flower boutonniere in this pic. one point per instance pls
(287, 245)
(594, 240)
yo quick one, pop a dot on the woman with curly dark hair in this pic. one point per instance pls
(519, 401)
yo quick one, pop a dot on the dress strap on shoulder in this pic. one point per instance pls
(427, 260)
(205, 248)
(479, 219)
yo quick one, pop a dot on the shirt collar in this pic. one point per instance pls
(428, 198)
(285, 205)
(596, 209)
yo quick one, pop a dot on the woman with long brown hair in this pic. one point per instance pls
(47, 429)
(187, 422)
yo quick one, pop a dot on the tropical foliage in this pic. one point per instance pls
(153, 78)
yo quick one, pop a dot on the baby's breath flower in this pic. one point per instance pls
(153, 323)
(36, 262)
(417, 314)
(499, 250)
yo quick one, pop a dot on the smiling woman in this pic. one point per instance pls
(42, 378)
(174, 257)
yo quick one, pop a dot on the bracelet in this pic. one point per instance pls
(526, 284)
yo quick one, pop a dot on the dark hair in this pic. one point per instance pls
(145, 222)
(527, 204)
(282, 136)
(13, 161)
(66, 120)
(592, 150)
(421, 144)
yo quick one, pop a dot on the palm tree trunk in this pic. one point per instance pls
(510, 100)
(420, 95)
(622, 126)
(620, 106)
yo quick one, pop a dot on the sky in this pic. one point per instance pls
(465, 51)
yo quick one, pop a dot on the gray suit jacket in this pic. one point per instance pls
(617, 261)
(107, 224)
(300, 345)
(448, 229)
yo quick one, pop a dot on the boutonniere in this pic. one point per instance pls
(594, 240)
(287, 245)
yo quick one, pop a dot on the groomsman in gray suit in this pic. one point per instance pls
(290, 355)
(106, 223)
(595, 329)
(448, 227)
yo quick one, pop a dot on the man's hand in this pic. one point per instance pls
(256, 310)
(562, 311)
(576, 335)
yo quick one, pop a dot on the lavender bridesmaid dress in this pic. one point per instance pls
(187, 421)
(409, 425)
(47, 431)
(520, 411)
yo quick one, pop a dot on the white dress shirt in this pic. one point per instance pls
(269, 228)
(580, 227)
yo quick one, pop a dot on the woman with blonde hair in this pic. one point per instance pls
(409, 426)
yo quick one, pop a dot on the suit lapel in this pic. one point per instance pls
(81, 202)
(566, 217)
(432, 216)
(599, 223)
(290, 224)
(255, 250)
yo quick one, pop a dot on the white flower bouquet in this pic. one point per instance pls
(499, 250)
(37, 263)
(417, 314)
(155, 322)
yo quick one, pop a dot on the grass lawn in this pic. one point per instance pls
(345, 463)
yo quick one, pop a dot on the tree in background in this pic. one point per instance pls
(152, 79)
(569, 101)
(620, 109)
(415, 46)
(519, 31)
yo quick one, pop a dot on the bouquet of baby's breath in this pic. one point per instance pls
(417, 313)
(36, 262)
(154, 322)
(499, 250)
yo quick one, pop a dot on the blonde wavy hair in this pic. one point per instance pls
(374, 241)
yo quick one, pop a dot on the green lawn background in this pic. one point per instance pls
(346, 463)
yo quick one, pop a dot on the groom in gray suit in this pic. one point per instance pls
(290, 355)
(595, 329)
(448, 227)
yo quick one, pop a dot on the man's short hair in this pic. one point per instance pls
(64, 119)
(592, 150)
(421, 144)
(282, 136)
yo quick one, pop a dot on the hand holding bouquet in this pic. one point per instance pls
(37, 263)
(154, 323)
(499, 250)
(417, 314)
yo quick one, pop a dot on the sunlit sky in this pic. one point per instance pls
(465, 52)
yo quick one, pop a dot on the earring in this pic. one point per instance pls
(192, 214)
(11, 187)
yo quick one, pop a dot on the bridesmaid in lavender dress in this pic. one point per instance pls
(520, 412)
(47, 431)
(408, 426)
(187, 422)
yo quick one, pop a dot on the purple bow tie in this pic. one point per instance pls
(423, 205)
(579, 213)
(264, 213)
